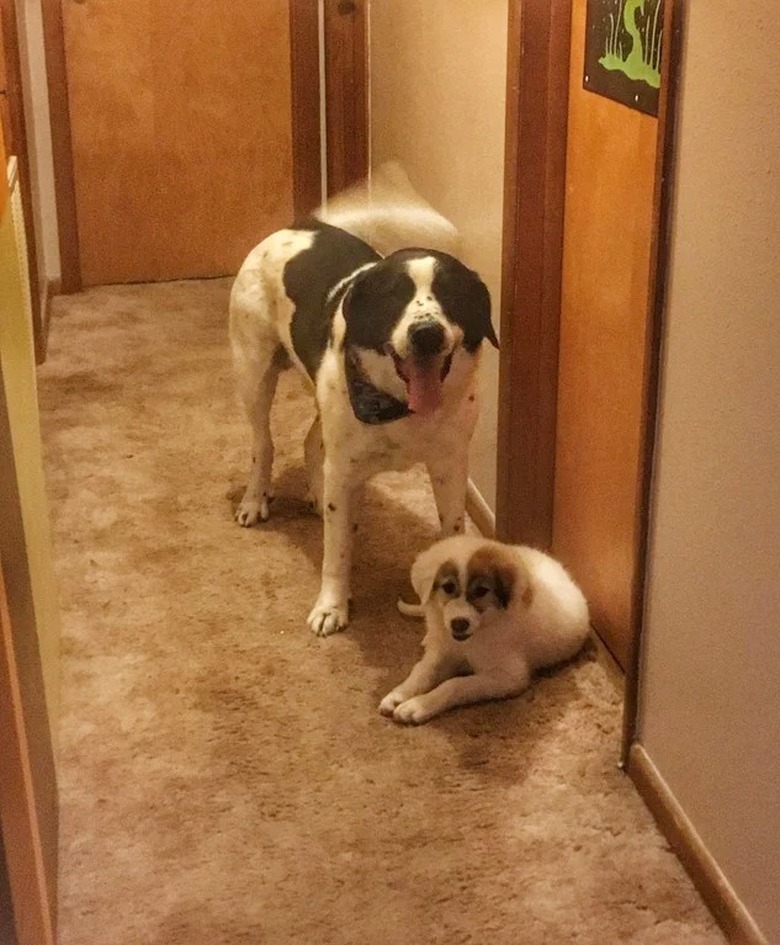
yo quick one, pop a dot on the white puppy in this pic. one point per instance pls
(494, 613)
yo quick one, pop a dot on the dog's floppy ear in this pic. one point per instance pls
(494, 565)
(480, 299)
(506, 582)
(466, 300)
(513, 582)
(424, 571)
(373, 303)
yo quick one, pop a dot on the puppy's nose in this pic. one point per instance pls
(426, 337)
(460, 628)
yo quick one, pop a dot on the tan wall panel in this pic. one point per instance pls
(607, 235)
(181, 125)
(709, 703)
(444, 122)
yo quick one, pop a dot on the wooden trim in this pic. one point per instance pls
(4, 195)
(62, 147)
(346, 92)
(7, 925)
(535, 167)
(659, 267)
(28, 786)
(18, 146)
(21, 832)
(305, 69)
(728, 910)
(49, 289)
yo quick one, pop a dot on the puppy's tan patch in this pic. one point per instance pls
(493, 573)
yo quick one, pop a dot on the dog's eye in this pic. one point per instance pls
(480, 591)
(449, 587)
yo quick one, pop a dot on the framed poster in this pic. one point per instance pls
(623, 51)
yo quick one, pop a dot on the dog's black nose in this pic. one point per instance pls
(426, 337)
(460, 628)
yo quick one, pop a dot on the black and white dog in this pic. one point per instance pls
(391, 349)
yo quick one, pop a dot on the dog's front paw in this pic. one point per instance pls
(252, 511)
(391, 700)
(328, 618)
(412, 711)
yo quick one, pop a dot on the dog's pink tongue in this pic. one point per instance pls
(423, 385)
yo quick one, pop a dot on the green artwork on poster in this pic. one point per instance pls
(623, 40)
(640, 57)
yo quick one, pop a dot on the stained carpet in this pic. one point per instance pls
(225, 776)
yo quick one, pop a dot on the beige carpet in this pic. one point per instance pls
(225, 777)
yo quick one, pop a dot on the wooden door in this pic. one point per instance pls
(181, 128)
(584, 250)
(603, 350)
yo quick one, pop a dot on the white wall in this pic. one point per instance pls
(438, 76)
(710, 682)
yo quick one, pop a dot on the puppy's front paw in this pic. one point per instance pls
(413, 711)
(390, 701)
(328, 618)
(252, 511)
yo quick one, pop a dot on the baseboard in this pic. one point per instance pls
(611, 667)
(479, 511)
(727, 908)
(49, 289)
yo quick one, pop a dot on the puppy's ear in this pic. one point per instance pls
(523, 588)
(423, 574)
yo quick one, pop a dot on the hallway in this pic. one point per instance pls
(225, 776)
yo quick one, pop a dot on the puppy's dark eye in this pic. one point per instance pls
(449, 587)
(480, 591)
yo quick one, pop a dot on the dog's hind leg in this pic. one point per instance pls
(257, 388)
(449, 478)
(314, 455)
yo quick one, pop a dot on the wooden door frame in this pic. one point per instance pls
(537, 97)
(305, 79)
(534, 196)
(17, 145)
(344, 97)
(345, 39)
(62, 150)
(660, 249)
